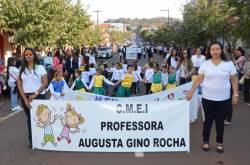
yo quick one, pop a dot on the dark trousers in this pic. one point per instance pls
(246, 90)
(115, 88)
(27, 112)
(184, 81)
(214, 110)
(148, 88)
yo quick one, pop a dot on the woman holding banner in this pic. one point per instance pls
(215, 73)
(31, 83)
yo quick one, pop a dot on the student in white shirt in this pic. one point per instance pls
(92, 69)
(216, 75)
(31, 83)
(116, 76)
(12, 74)
(86, 75)
(148, 79)
(164, 76)
(198, 59)
(137, 78)
(173, 59)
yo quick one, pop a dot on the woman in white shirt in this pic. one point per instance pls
(215, 75)
(12, 75)
(31, 82)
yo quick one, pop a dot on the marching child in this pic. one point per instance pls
(126, 83)
(164, 76)
(157, 80)
(58, 86)
(96, 83)
(79, 84)
(171, 78)
(116, 75)
(137, 78)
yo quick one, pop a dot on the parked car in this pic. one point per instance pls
(104, 52)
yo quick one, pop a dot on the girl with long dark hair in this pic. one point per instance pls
(32, 82)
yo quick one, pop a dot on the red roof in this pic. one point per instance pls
(105, 25)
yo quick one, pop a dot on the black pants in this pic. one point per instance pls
(246, 90)
(27, 112)
(148, 88)
(115, 88)
(184, 81)
(134, 88)
(214, 110)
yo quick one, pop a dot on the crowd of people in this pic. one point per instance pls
(79, 69)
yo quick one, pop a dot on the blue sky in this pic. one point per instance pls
(133, 8)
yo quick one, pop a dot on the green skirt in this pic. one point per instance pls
(124, 92)
(98, 90)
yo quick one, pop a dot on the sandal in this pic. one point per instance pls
(220, 148)
(205, 147)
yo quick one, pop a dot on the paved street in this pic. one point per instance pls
(14, 145)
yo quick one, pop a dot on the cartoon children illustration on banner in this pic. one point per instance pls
(44, 117)
(71, 120)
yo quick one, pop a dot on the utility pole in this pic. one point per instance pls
(97, 16)
(168, 14)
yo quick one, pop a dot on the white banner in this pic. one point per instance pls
(92, 126)
(166, 95)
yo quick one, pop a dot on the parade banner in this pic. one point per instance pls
(110, 126)
(177, 93)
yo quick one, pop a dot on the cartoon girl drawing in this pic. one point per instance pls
(71, 120)
(44, 121)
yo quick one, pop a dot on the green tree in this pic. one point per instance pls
(117, 37)
(45, 22)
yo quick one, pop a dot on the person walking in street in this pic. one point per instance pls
(71, 66)
(30, 71)
(124, 89)
(12, 74)
(246, 71)
(148, 78)
(186, 67)
(216, 73)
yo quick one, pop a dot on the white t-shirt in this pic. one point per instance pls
(117, 74)
(92, 71)
(137, 76)
(216, 84)
(31, 80)
(13, 74)
(92, 60)
(85, 76)
(148, 75)
(197, 61)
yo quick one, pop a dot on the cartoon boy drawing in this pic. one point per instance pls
(44, 121)
(69, 121)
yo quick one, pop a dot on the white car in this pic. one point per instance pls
(104, 52)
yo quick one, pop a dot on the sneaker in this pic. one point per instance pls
(227, 122)
(16, 108)
(247, 104)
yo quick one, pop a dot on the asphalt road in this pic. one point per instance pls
(14, 145)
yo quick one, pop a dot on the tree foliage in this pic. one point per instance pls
(45, 22)
(117, 37)
(208, 20)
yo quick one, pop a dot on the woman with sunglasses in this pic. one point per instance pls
(31, 83)
(186, 67)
